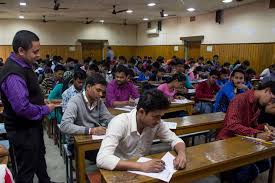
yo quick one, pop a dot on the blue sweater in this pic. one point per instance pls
(224, 97)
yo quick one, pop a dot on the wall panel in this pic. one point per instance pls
(259, 54)
(62, 50)
(167, 51)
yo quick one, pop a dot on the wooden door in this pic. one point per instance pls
(194, 48)
(93, 50)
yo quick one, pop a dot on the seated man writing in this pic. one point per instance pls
(242, 119)
(130, 135)
(121, 92)
(86, 113)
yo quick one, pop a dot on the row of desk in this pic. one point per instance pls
(185, 125)
(205, 160)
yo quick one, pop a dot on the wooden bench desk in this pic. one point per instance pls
(204, 160)
(185, 125)
(188, 107)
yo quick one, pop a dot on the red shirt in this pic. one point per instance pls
(241, 117)
(204, 90)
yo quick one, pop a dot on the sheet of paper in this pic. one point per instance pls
(171, 125)
(180, 101)
(98, 137)
(191, 90)
(125, 108)
(166, 174)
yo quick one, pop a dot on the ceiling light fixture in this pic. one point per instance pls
(21, 17)
(227, 1)
(151, 4)
(145, 19)
(165, 15)
(129, 11)
(101, 21)
(191, 9)
(23, 4)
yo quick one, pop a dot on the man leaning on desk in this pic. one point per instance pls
(130, 135)
(86, 113)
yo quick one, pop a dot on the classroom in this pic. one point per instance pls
(143, 91)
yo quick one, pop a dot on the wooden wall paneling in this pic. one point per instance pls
(259, 54)
(93, 50)
(167, 51)
(52, 50)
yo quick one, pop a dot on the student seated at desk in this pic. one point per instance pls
(207, 90)
(229, 90)
(130, 135)
(120, 92)
(86, 113)
(242, 119)
(78, 80)
(223, 78)
(169, 89)
(49, 83)
(249, 74)
(145, 74)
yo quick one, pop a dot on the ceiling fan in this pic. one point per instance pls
(3, 3)
(88, 21)
(45, 20)
(56, 6)
(119, 11)
(162, 14)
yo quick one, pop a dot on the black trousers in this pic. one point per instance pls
(27, 151)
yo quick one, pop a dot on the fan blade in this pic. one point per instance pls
(88, 22)
(120, 11)
(3, 3)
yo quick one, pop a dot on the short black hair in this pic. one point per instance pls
(223, 71)
(237, 70)
(269, 84)
(59, 68)
(23, 39)
(214, 73)
(200, 58)
(153, 100)
(216, 56)
(174, 77)
(96, 79)
(246, 63)
(79, 74)
(93, 67)
(250, 71)
(122, 68)
(156, 65)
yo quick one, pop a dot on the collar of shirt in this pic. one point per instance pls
(19, 61)
(91, 107)
(133, 118)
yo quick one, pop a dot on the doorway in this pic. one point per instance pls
(93, 50)
(194, 49)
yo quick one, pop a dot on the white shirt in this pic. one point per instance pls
(123, 141)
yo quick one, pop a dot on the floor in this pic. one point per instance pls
(56, 166)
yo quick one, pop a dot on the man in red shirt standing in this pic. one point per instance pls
(241, 118)
(207, 90)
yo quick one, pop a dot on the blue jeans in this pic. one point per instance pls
(204, 107)
(247, 174)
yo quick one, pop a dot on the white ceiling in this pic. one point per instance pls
(102, 9)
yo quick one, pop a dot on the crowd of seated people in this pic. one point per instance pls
(87, 89)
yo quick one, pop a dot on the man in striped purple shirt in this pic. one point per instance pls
(24, 109)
